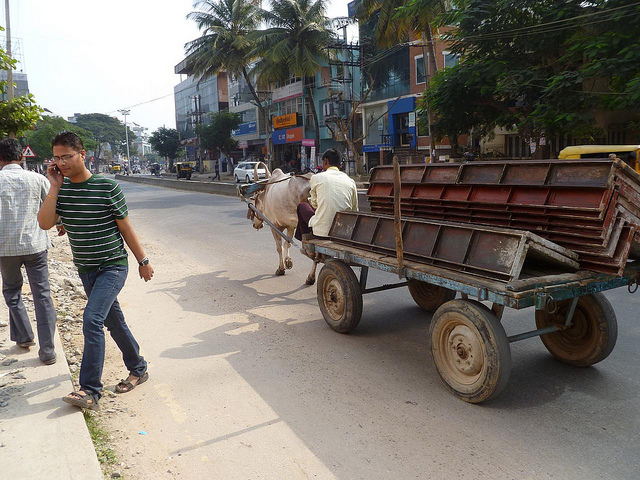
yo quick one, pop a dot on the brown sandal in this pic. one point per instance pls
(125, 386)
(87, 400)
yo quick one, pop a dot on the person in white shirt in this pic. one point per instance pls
(332, 191)
(23, 242)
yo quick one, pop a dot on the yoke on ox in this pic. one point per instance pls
(277, 200)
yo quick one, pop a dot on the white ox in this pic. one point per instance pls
(278, 202)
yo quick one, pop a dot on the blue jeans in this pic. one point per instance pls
(103, 310)
(19, 326)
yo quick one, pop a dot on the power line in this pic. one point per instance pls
(143, 103)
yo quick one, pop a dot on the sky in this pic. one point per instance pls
(86, 56)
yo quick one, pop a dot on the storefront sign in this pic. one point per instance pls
(308, 142)
(288, 120)
(412, 119)
(288, 91)
(243, 145)
(376, 147)
(291, 135)
(245, 129)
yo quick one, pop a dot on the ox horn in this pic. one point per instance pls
(255, 171)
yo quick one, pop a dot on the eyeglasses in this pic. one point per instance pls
(65, 158)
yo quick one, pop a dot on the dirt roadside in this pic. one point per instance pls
(120, 452)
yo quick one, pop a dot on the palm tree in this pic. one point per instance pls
(397, 19)
(294, 44)
(225, 44)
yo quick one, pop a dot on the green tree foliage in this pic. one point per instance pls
(105, 129)
(294, 44)
(540, 66)
(20, 113)
(217, 136)
(48, 127)
(166, 142)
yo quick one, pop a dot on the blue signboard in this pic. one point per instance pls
(278, 137)
(245, 129)
(374, 147)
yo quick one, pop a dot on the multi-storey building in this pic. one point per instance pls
(393, 79)
(20, 81)
(250, 134)
(195, 100)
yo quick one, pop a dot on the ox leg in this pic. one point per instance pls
(288, 263)
(278, 239)
(311, 278)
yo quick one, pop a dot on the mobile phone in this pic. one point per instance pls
(55, 167)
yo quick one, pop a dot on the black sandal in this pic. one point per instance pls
(125, 386)
(88, 400)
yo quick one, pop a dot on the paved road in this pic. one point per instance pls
(249, 382)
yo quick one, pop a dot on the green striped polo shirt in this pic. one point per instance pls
(89, 211)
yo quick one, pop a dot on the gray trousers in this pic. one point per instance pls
(19, 325)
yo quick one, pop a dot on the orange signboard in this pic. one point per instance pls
(288, 120)
(294, 135)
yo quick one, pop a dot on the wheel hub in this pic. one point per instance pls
(465, 351)
(334, 298)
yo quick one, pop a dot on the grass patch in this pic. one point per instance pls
(100, 438)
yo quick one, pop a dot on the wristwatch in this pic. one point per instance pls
(144, 261)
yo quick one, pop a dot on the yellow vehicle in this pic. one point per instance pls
(628, 153)
(114, 167)
(183, 170)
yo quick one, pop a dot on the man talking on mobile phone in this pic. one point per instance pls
(94, 214)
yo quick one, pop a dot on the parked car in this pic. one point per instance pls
(244, 172)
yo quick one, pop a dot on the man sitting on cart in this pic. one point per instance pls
(332, 191)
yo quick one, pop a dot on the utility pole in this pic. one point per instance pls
(196, 119)
(10, 69)
(126, 135)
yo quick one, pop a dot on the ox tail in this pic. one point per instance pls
(255, 171)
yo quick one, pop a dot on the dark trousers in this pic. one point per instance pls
(103, 310)
(305, 212)
(38, 274)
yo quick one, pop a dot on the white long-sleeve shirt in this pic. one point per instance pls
(332, 191)
(21, 194)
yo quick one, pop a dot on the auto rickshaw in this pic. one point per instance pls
(114, 167)
(183, 170)
(627, 153)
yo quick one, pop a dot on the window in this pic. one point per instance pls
(293, 105)
(288, 81)
(249, 116)
(420, 77)
(450, 60)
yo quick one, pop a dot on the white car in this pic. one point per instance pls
(244, 172)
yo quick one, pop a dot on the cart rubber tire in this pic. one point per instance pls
(428, 296)
(188, 176)
(592, 336)
(470, 350)
(339, 296)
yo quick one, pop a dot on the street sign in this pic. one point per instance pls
(27, 152)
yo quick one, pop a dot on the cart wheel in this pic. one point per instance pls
(428, 296)
(470, 350)
(592, 336)
(339, 296)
